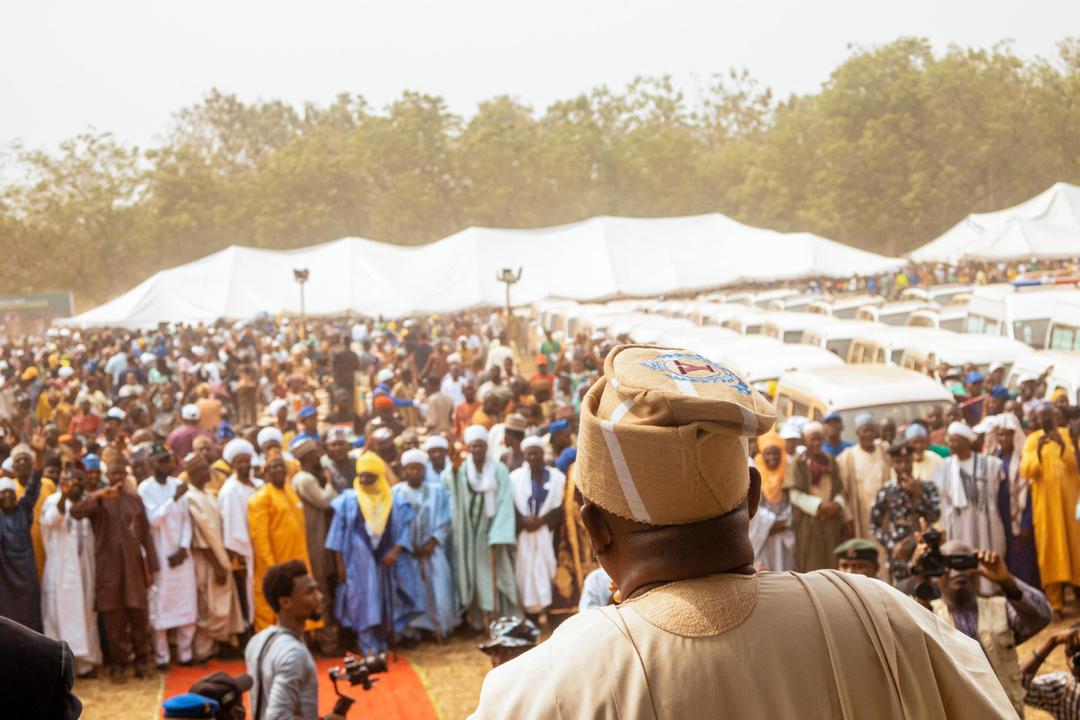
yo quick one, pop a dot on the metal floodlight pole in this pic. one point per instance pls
(301, 275)
(508, 276)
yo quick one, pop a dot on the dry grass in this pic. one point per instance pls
(452, 673)
(135, 700)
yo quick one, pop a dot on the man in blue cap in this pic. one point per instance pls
(309, 422)
(834, 427)
(999, 395)
(975, 406)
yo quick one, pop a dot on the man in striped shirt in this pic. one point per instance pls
(1056, 693)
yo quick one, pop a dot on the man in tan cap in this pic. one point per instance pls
(662, 465)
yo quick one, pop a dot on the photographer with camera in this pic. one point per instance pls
(285, 680)
(998, 623)
(1056, 693)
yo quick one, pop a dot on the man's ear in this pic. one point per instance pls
(753, 493)
(599, 531)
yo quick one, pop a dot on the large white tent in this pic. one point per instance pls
(598, 258)
(1046, 226)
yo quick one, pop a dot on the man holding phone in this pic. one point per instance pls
(998, 623)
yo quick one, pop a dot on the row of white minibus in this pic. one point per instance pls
(855, 353)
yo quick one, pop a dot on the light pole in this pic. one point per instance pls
(509, 277)
(301, 275)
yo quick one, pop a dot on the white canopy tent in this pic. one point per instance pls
(599, 258)
(1046, 226)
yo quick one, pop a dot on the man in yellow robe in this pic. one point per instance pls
(276, 518)
(1049, 461)
(663, 467)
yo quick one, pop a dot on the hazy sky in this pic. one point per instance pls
(126, 65)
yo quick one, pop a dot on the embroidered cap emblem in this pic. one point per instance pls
(694, 368)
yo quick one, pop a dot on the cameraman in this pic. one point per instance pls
(998, 623)
(285, 680)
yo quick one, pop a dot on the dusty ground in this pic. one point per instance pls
(453, 674)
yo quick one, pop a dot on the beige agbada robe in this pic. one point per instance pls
(863, 475)
(774, 645)
(219, 614)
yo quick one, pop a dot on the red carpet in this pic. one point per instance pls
(398, 695)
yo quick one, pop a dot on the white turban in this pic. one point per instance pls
(532, 441)
(190, 412)
(789, 430)
(863, 419)
(237, 446)
(7, 484)
(474, 433)
(337, 433)
(436, 441)
(961, 430)
(812, 427)
(915, 430)
(8, 465)
(275, 406)
(1008, 421)
(268, 434)
(454, 358)
(413, 456)
(385, 375)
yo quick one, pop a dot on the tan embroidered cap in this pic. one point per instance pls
(663, 436)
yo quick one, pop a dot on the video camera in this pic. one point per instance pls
(357, 671)
(935, 564)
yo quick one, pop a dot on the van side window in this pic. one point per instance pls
(783, 406)
(1064, 338)
(798, 408)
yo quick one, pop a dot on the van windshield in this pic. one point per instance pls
(1064, 337)
(980, 324)
(1032, 332)
(901, 413)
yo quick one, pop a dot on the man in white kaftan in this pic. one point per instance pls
(538, 496)
(968, 483)
(173, 596)
(233, 504)
(67, 588)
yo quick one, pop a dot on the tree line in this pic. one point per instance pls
(898, 144)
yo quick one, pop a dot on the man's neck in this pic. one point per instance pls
(160, 478)
(868, 448)
(291, 624)
(959, 604)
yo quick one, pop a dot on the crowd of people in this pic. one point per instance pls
(891, 284)
(424, 473)
(994, 477)
(421, 471)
